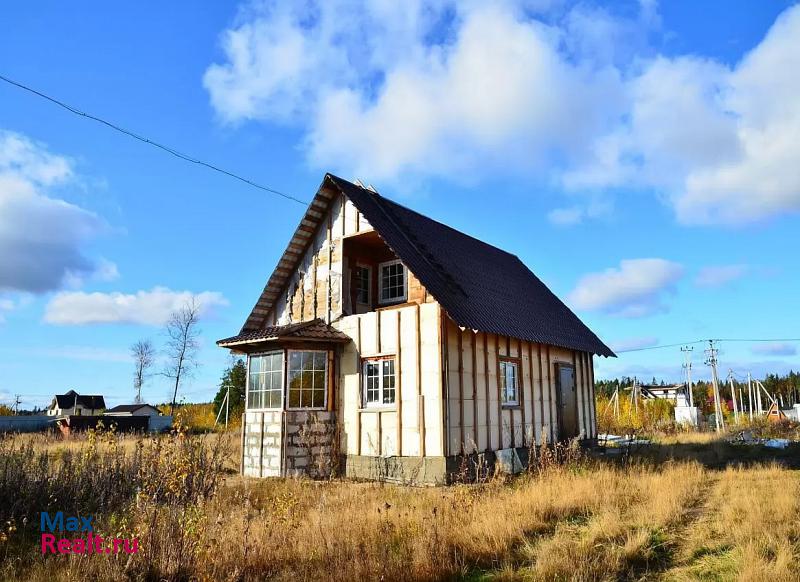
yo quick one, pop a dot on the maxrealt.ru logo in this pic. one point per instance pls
(79, 525)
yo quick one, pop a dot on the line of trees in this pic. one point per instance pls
(786, 388)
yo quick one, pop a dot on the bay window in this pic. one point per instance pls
(265, 380)
(308, 379)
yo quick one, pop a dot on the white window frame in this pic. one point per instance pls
(402, 299)
(381, 387)
(369, 284)
(283, 379)
(286, 381)
(504, 388)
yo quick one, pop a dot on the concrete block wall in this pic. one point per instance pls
(261, 453)
(289, 444)
(310, 443)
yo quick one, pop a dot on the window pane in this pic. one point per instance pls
(255, 364)
(307, 371)
(393, 282)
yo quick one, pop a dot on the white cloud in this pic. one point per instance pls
(634, 343)
(144, 307)
(573, 94)
(566, 216)
(716, 276)
(41, 237)
(6, 305)
(775, 349)
(635, 289)
(720, 142)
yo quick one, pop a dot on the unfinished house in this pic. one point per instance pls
(388, 345)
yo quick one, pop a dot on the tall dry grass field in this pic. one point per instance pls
(587, 520)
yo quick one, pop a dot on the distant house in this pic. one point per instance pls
(676, 393)
(405, 344)
(133, 410)
(74, 404)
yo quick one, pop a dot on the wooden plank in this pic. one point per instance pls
(420, 399)
(499, 395)
(552, 393)
(377, 332)
(521, 388)
(585, 392)
(329, 298)
(473, 341)
(534, 423)
(360, 389)
(486, 386)
(590, 359)
(399, 391)
(444, 399)
(541, 387)
(460, 390)
(331, 380)
(578, 393)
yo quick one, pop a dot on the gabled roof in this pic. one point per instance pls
(480, 286)
(71, 398)
(316, 330)
(123, 408)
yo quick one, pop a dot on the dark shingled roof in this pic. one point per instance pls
(128, 408)
(315, 329)
(480, 286)
(68, 400)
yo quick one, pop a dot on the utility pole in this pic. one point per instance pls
(733, 395)
(750, 394)
(711, 360)
(687, 354)
(17, 402)
(759, 404)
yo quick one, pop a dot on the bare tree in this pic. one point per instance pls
(143, 354)
(182, 344)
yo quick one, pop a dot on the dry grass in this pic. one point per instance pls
(585, 521)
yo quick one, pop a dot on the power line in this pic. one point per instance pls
(662, 346)
(148, 141)
(659, 347)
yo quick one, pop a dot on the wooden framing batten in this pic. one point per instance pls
(460, 389)
(473, 341)
(399, 391)
(420, 399)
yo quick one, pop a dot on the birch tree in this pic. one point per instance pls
(143, 354)
(182, 344)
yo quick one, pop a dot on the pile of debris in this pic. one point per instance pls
(746, 437)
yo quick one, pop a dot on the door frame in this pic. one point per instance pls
(559, 401)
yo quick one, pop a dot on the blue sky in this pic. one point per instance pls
(640, 158)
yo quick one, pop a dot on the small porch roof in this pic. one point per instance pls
(315, 330)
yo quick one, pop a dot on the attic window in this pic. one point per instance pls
(392, 282)
(362, 280)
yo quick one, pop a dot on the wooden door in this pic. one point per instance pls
(567, 402)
